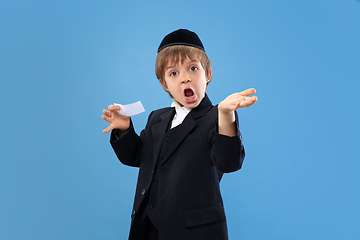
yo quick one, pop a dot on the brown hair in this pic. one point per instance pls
(177, 53)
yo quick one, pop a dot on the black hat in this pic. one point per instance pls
(181, 37)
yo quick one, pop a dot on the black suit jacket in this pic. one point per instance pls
(193, 161)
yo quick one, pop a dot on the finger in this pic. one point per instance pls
(248, 92)
(234, 106)
(249, 102)
(107, 113)
(106, 118)
(250, 99)
(108, 129)
(113, 108)
(237, 106)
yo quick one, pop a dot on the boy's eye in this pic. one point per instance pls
(193, 68)
(173, 73)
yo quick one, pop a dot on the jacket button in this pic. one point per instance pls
(166, 140)
(155, 184)
(134, 212)
(150, 207)
(143, 192)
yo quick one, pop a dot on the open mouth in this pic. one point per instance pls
(189, 93)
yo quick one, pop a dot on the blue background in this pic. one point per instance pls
(62, 62)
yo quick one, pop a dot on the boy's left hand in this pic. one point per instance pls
(238, 100)
(226, 108)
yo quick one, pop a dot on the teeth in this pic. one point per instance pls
(188, 92)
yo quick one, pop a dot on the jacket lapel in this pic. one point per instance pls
(159, 130)
(178, 135)
(183, 130)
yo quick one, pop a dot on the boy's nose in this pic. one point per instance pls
(186, 79)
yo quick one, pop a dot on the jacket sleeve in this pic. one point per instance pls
(128, 148)
(228, 153)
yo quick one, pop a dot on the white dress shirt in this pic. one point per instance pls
(181, 113)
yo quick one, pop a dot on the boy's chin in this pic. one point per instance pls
(192, 105)
(189, 103)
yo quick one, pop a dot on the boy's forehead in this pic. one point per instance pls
(177, 60)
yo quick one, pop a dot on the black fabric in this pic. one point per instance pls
(144, 230)
(204, 215)
(151, 232)
(150, 206)
(187, 163)
(181, 37)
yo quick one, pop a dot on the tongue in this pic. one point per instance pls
(188, 92)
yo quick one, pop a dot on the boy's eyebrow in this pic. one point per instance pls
(171, 66)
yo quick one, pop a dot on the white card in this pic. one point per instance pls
(130, 109)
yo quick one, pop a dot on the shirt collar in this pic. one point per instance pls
(180, 110)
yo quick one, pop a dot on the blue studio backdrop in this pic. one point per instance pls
(62, 62)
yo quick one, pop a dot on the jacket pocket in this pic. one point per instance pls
(204, 215)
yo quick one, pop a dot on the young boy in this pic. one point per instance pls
(183, 150)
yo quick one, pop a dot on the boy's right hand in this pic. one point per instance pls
(116, 120)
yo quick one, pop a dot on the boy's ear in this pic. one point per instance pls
(210, 76)
(163, 84)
